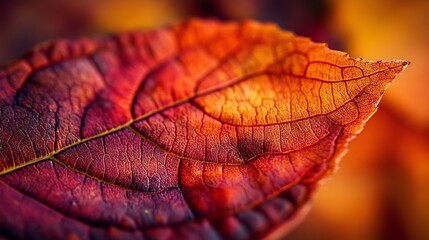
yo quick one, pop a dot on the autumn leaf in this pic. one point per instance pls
(199, 130)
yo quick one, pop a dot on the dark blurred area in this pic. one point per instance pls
(381, 189)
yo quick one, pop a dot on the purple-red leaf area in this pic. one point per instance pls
(78, 207)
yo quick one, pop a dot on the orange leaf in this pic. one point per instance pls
(203, 129)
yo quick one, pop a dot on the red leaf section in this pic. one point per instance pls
(199, 130)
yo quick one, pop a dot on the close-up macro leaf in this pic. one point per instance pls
(200, 130)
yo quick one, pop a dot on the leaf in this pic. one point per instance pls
(200, 130)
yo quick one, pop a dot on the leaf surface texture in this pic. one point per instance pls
(203, 129)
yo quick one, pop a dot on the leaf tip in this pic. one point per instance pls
(405, 63)
(402, 64)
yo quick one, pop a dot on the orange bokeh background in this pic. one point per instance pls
(381, 190)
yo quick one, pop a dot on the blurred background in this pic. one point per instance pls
(381, 190)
